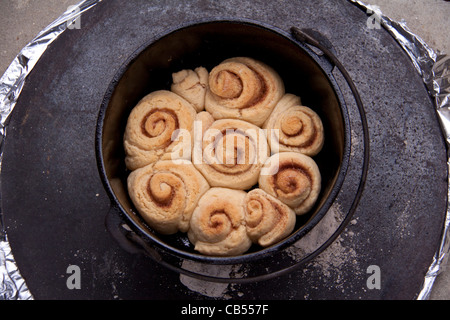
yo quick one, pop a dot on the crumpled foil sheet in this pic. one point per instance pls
(12, 285)
(434, 68)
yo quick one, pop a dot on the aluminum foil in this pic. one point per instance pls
(12, 284)
(434, 68)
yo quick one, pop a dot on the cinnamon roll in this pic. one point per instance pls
(268, 220)
(243, 88)
(205, 120)
(293, 127)
(165, 194)
(293, 178)
(191, 85)
(218, 223)
(159, 128)
(233, 153)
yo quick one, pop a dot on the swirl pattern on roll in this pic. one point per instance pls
(243, 88)
(293, 178)
(159, 127)
(268, 220)
(200, 157)
(233, 153)
(165, 194)
(218, 223)
(294, 127)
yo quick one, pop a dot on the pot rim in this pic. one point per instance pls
(263, 252)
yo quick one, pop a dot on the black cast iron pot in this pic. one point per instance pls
(207, 43)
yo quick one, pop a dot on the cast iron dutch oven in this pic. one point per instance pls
(207, 43)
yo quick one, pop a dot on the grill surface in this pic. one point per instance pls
(54, 203)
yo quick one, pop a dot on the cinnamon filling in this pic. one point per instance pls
(156, 121)
(228, 85)
(218, 223)
(240, 152)
(165, 200)
(306, 144)
(262, 92)
(292, 126)
(277, 208)
(291, 178)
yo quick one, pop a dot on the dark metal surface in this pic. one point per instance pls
(207, 44)
(54, 203)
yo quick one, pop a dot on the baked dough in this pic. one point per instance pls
(243, 88)
(218, 223)
(191, 85)
(294, 127)
(204, 121)
(293, 178)
(233, 153)
(165, 194)
(201, 163)
(268, 220)
(160, 127)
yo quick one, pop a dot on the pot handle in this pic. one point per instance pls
(126, 238)
(317, 40)
(129, 241)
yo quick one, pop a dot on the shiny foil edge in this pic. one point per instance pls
(12, 284)
(434, 68)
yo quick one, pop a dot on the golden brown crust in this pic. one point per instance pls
(159, 127)
(268, 220)
(293, 178)
(218, 223)
(293, 127)
(243, 88)
(191, 169)
(233, 153)
(165, 194)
